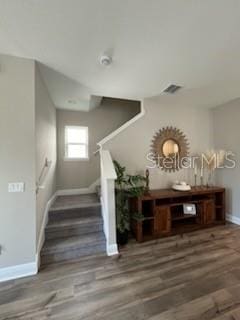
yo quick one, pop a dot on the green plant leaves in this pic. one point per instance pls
(126, 186)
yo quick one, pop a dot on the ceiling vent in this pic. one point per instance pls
(172, 88)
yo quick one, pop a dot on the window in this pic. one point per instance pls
(76, 142)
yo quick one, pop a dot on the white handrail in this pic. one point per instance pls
(108, 177)
(96, 152)
(42, 175)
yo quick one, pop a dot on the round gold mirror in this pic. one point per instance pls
(170, 148)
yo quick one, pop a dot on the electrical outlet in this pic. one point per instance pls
(16, 187)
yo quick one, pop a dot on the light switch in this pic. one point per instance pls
(16, 187)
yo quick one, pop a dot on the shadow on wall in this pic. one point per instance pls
(109, 116)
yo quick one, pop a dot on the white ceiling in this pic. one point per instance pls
(194, 43)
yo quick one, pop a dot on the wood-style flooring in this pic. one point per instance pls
(193, 277)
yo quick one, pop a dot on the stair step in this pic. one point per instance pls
(75, 212)
(86, 259)
(71, 248)
(73, 227)
(60, 245)
(75, 201)
(68, 256)
(74, 230)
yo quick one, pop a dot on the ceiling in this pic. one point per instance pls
(193, 43)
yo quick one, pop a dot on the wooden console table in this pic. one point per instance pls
(163, 213)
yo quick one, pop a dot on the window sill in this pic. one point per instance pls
(75, 159)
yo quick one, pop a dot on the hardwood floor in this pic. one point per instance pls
(193, 277)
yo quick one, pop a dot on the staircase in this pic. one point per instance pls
(74, 230)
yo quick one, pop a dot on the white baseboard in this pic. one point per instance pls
(19, 271)
(112, 249)
(31, 268)
(233, 219)
(41, 238)
(71, 192)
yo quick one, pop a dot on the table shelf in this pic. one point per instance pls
(164, 215)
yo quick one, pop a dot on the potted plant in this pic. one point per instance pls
(138, 216)
(126, 186)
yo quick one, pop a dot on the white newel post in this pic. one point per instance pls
(108, 177)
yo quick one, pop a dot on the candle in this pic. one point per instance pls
(195, 170)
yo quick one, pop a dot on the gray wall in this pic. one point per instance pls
(132, 145)
(101, 121)
(17, 161)
(45, 121)
(227, 137)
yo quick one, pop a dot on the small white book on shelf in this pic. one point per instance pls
(189, 208)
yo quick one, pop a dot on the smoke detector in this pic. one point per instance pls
(105, 60)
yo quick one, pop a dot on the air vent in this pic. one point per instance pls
(172, 88)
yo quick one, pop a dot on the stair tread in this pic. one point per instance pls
(73, 255)
(75, 206)
(74, 230)
(83, 258)
(74, 222)
(75, 202)
(58, 245)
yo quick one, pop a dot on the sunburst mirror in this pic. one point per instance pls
(170, 149)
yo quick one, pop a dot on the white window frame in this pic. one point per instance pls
(66, 144)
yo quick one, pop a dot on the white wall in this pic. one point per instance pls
(132, 145)
(227, 137)
(109, 116)
(45, 121)
(17, 161)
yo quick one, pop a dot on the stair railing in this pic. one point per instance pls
(42, 176)
(108, 177)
